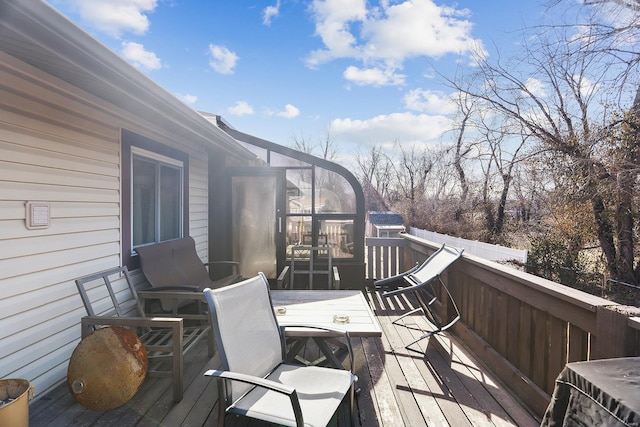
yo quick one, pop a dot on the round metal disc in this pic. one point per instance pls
(107, 368)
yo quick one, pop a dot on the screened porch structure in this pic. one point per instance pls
(286, 199)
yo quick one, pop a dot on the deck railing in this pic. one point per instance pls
(523, 327)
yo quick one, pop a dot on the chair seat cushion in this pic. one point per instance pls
(320, 391)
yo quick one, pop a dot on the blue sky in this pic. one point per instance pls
(364, 73)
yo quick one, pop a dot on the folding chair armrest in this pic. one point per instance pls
(283, 278)
(388, 281)
(235, 265)
(264, 383)
(398, 291)
(397, 278)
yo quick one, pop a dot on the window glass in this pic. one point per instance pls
(280, 160)
(298, 231)
(170, 202)
(157, 203)
(337, 234)
(333, 193)
(299, 191)
(334, 233)
(144, 200)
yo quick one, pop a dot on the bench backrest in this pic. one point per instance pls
(110, 293)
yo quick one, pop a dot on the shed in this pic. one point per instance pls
(384, 224)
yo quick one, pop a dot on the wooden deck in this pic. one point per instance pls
(445, 387)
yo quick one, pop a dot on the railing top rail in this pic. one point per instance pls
(557, 290)
(385, 241)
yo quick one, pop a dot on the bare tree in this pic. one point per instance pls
(325, 148)
(374, 173)
(503, 153)
(462, 148)
(569, 92)
(411, 172)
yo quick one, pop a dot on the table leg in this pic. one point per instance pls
(329, 353)
(295, 349)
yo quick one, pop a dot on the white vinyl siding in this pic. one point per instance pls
(63, 146)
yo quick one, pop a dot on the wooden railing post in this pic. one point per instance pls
(385, 256)
(612, 337)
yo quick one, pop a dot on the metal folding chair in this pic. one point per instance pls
(419, 282)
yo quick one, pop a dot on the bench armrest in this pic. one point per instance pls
(175, 323)
(235, 265)
(176, 297)
(185, 288)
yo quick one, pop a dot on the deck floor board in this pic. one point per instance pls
(445, 386)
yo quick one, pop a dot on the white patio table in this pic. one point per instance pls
(339, 309)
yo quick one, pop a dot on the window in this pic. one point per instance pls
(156, 203)
(155, 191)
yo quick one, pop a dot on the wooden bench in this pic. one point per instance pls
(111, 299)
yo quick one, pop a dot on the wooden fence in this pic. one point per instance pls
(523, 327)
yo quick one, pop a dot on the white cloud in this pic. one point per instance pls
(418, 28)
(289, 112)
(587, 86)
(536, 87)
(618, 14)
(333, 24)
(402, 127)
(242, 108)
(188, 99)
(429, 101)
(222, 59)
(270, 12)
(385, 36)
(140, 58)
(373, 76)
(115, 17)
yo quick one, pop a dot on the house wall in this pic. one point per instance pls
(61, 145)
